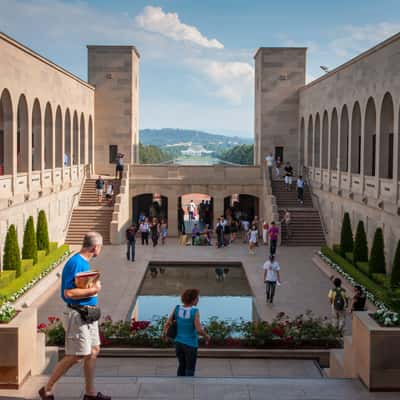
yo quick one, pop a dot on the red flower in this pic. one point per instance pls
(139, 325)
(41, 326)
(278, 331)
(53, 319)
(103, 340)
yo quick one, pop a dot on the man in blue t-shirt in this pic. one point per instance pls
(82, 341)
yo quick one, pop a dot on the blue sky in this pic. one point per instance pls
(197, 67)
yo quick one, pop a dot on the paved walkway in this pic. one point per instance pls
(304, 286)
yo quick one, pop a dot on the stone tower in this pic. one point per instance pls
(114, 71)
(279, 74)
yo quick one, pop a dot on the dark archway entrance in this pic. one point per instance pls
(151, 205)
(241, 207)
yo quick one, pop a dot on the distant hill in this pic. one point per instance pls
(169, 138)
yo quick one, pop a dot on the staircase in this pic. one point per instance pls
(305, 227)
(91, 215)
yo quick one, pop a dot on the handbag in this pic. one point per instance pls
(172, 330)
(89, 314)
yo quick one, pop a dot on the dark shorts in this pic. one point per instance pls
(120, 167)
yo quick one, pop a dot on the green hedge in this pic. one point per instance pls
(395, 276)
(379, 292)
(26, 265)
(6, 277)
(53, 246)
(41, 254)
(363, 266)
(32, 273)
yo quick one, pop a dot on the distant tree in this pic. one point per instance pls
(242, 154)
(153, 155)
(346, 236)
(377, 262)
(42, 232)
(12, 257)
(395, 275)
(29, 248)
(360, 251)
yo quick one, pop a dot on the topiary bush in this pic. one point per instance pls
(360, 250)
(12, 257)
(395, 276)
(29, 248)
(377, 262)
(42, 233)
(346, 236)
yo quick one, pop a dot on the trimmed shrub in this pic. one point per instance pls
(41, 254)
(395, 276)
(360, 251)
(349, 257)
(377, 262)
(53, 246)
(346, 236)
(12, 257)
(29, 248)
(336, 248)
(42, 233)
(363, 267)
(6, 277)
(26, 265)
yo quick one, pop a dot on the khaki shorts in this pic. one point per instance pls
(99, 192)
(80, 337)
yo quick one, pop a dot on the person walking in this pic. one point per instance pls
(273, 233)
(144, 229)
(245, 229)
(130, 236)
(155, 231)
(110, 193)
(286, 220)
(265, 228)
(82, 339)
(119, 167)
(288, 176)
(220, 232)
(300, 189)
(192, 210)
(99, 188)
(271, 278)
(270, 162)
(253, 239)
(339, 301)
(164, 230)
(188, 327)
(278, 163)
(181, 221)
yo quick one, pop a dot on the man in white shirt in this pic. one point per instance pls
(271, 277)
(300, 189)
(192, 209)
(270, 162)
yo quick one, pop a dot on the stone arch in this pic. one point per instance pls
(386, 145)
(301, 144)
(370, 138)
(22, 135)
(145, 202)
(325, 140)
(310, 142)
(344, 140)
(48, 137)
(6, 133)
(247, 204)
(36, 136)
(334, 140)
(59, 138)
(67, 138)
(355, 157)
(317, 142)
(91, 141)
(82, 140)
(75, 139)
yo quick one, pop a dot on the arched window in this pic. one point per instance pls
(310, 140)
(325, 137)
(22, 135)
(36, 136)
(6, 133)
(48, 137)
(386, 147)
(58, 139)
(75, 140)
(82, 140)
(334, 140)
(317, 142)
(68, 139)
(344, 140)
(370, 138)
(356, 139)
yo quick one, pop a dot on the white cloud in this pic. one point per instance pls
(154, 19)
(233, 81)
(354, 39)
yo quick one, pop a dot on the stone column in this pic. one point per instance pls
(172, 214)
(42, 148)
(378, 154)
(218, 207)
(29, 151)
(14, 128)
(362, 155)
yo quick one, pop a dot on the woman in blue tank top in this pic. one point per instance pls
(187, 318)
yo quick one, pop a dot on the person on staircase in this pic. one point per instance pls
(99, 188)
(300, 189)
(286, 220)
(288, 176)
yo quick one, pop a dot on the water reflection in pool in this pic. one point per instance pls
(224, 291)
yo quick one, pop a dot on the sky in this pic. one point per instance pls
(196, 65)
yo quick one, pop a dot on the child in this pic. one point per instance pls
(253, 239)
(164, 231)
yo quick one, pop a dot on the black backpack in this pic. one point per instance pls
(338, 301)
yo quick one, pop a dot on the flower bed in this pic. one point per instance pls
(304, 331)
(18, 287)
(386, 318)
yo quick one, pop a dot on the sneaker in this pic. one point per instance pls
(99, 396)
(44, 396)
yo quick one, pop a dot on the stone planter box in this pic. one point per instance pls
(21, 349)
(376, 353)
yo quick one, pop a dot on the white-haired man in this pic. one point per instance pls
(82, 341)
